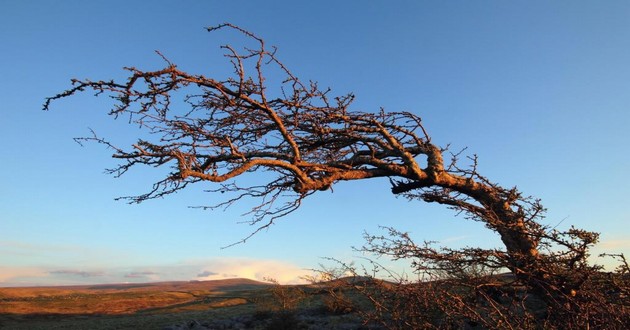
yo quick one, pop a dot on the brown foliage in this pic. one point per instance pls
(467, 289)
(283, 297)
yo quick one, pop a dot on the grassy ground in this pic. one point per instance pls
(151, 306)
(230, 304)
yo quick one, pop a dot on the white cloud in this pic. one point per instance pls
(207, 269)
(80, 273)
(254, 269)
(146, 275)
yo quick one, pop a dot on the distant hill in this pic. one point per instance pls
(233, 284)
(220, 304)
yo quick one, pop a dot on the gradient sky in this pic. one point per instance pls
(539, 90)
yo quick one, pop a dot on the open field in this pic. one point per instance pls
(124, 306)
(225, 304)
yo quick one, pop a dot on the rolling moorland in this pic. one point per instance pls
(222, 304)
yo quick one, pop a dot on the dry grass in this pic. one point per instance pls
(229, 304)
(147, 306)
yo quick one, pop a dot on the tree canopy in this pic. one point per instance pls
(308, 138)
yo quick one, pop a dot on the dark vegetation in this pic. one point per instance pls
(306, 140)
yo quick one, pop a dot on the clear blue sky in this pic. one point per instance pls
(539, 90)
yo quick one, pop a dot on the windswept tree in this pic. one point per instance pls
(308, 139)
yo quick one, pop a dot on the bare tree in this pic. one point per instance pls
(308, 139)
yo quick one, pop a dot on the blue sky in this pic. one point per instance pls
(538, 90)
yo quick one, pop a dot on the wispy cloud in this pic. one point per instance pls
(207, 274)
(146, 274)
(205, 269)
(77, 273)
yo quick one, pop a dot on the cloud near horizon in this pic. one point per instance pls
(149, 275)
(77, 273)
(254, 269)
(206, 274)
(207, 269)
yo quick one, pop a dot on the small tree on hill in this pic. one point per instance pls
(308, 139)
